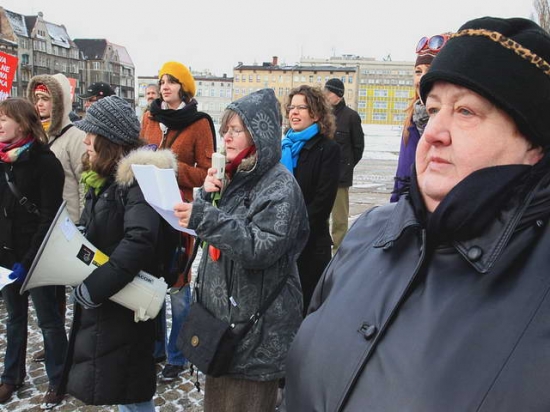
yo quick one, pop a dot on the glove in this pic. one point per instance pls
(82, 296)
(19, 273)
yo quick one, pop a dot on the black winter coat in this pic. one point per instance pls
(316, 173)
(349, 135)
(39, 176)
(110, 357)
(399, 324)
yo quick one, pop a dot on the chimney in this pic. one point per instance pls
(275, 61)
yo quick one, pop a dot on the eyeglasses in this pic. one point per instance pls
(300, 107)
(434, 43)
(232, 132)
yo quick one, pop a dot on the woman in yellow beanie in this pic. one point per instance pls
(174, 122)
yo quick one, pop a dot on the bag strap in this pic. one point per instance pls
(258, 314)
(22, 200)
(60, 134)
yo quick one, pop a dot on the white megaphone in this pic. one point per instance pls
(66, 257)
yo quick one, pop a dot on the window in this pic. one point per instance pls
(362, 92)
(199, 92)
(362, 105)
(380, 93)
(350, 79)
(251, 78)
(379, 116)
(24, 59)
(403, 94)
(258, 78)
(400, 105)
(228, 93)
(380, 105)
(212, 92)
(222, 93)
(311, 79)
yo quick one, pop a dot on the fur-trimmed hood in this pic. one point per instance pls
(60, 91)
(163, 159)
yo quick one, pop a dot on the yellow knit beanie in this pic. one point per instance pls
(182, 73)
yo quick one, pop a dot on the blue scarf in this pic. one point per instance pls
(293, 143)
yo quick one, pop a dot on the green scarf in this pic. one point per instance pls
(91, 179)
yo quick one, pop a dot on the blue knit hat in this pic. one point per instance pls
(113, 118)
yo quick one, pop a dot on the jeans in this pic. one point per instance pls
(147, 406)
(180, 302)
(50, 322)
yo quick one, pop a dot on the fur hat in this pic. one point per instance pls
(182, 73)
(507, 61)
(113, 118)
(335, 86)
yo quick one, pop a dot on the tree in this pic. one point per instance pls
(543, 13)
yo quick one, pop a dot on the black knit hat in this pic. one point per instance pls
(507, 61)
(113, 118)
(335, 86)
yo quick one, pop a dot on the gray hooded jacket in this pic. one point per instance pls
(260, 227)
(68, 146)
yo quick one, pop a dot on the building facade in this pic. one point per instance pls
(385, 87)
(282, 79)
(103, 61)
(43, 47)
(214, 93)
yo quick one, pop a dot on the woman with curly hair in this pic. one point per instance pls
(312, 155)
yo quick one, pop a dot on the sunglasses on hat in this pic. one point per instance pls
(434, 43)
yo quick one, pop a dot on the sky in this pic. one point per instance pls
(216, 35)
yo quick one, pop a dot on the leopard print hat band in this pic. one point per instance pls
(510, 44)
(507, 62)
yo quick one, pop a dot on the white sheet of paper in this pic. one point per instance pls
(160, 188)
(4, 279)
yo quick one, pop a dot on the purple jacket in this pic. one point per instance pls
(405, 162)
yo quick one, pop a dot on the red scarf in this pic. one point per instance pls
(231, 168)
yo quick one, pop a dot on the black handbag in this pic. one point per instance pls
(210, 343)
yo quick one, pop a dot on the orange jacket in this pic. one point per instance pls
(193, 148)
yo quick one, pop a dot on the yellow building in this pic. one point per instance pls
(282, 79)
(385, 87)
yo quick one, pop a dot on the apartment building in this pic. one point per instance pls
(385, 87)
(282, 79)
(214, 93)
(103, 61)
(43, 47)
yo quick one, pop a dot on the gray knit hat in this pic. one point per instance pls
(113, 118)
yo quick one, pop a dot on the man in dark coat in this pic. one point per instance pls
(349, 135)
(441, 301)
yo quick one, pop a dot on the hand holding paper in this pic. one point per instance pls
(161, 191)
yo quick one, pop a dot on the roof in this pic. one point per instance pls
(92, 49)
(296, 68)
(18, 23)
(123, 55)
(58, 35)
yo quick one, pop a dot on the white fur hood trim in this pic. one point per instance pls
(163, 159)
